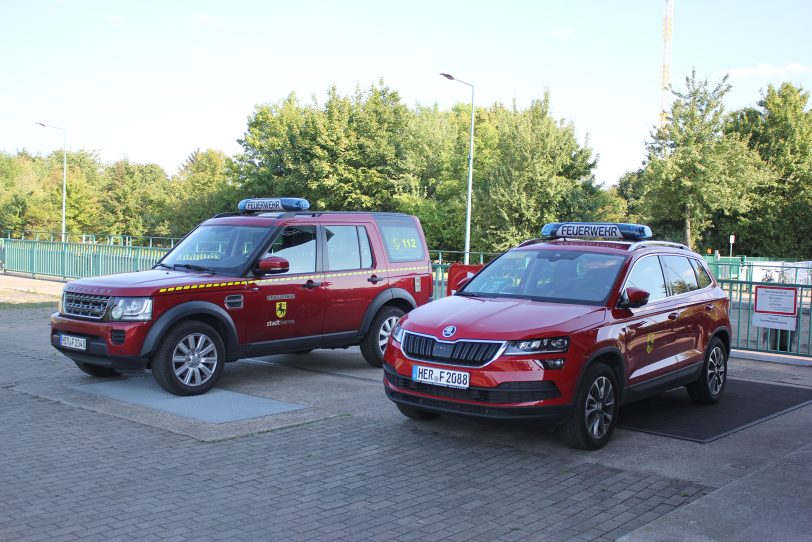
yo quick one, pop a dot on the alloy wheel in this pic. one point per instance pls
(600, 407)
(194, 359)
(716, 370)
(386, 329)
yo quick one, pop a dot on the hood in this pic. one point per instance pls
(139, 283)
(500, 318)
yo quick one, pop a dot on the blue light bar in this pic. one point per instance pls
(273, 204)
(605, 230)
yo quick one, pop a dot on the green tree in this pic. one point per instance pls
(200, 189)
(694, 168)
(780, 130)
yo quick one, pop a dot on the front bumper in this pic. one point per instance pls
(114, 345)
(508, 401)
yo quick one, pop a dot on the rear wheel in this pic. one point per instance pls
(417, 413)
(96, 370)
(709, 387)
(190, 359)
(374, 342)
(593, 419)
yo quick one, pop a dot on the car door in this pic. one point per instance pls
(289, 305)
(648, 331)
(681, 276)
(352, 277)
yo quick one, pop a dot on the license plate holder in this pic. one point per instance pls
(441, 377)
(73, 343)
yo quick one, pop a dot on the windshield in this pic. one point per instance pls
(558, 276)
(216, 249)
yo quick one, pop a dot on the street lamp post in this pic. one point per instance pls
(64, 170)
(470, 170)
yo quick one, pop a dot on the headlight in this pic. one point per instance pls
(131, 308)
(61, 307)
(538, 346)
(397, 334)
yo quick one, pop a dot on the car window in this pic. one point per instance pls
(680, 274)
(702, 276)
(648, 275)
(223, 249)
(560, 276)
(346, 249)
(401, 238)
(297, 244)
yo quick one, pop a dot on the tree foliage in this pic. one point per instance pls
(708, 173)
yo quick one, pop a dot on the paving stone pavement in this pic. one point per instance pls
(67, 473)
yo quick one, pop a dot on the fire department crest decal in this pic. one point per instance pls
(650, 343)
(281, 308)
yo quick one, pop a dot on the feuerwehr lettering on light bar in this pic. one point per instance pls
(605, 230)
(274, 204)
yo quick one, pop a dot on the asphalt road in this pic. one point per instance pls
(348, 466)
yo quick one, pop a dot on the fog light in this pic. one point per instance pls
(550, 363)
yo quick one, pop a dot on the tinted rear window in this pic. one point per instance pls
(401, 238)
(680, 274)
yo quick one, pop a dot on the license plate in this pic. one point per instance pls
(440, 377)
(75, 343)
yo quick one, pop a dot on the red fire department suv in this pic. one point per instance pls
(270, 279)
(564, 330)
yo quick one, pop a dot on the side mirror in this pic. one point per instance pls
(633, 298)
(272, 265)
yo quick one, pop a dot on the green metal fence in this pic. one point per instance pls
(74, 260)
(736, 276)
(748, 337)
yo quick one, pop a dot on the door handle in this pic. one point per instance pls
(673, 316)
(310, 284)
(375, 279)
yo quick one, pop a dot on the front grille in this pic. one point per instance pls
(466, 353)
(85, 305)
(507, 392)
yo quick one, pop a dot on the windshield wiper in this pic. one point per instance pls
(162, 265)
(469, 294)
(193, 267)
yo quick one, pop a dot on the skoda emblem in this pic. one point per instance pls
(449, 331)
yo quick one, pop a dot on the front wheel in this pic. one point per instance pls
(711, 383)
(189, 359)
(374, 342)
(595, 413)
(96, 370)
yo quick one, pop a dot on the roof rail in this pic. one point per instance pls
(644, 244)
(531, 242)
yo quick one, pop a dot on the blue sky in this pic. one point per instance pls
(153, 81)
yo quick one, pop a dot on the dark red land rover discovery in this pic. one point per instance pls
(564, 331)
(250, 283)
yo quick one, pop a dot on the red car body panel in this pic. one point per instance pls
(337, 307)
(652, 341)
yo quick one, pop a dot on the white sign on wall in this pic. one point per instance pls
(775, 307)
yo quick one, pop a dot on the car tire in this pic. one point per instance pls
(189, 359)
(595, 412)
(417, 413)
(374, 342)
(710, 385)
(96, 370)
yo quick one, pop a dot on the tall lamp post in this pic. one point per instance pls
(470, 170)
(64, 169)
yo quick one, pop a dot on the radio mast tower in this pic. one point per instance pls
(665, 71)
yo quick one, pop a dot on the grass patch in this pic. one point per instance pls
(34, 305)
